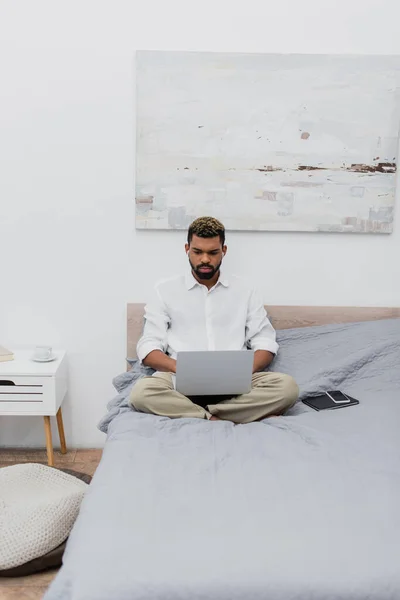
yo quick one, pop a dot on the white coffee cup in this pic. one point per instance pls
(43, 352)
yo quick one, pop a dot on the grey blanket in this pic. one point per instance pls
(299, 507)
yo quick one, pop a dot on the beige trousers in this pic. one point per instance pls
(271, 394)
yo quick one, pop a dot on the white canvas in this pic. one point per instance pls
(267, 142)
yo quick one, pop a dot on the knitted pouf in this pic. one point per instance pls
(38, 507)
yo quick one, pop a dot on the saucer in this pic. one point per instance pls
(51, 358)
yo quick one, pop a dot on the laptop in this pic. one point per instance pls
(214, 373)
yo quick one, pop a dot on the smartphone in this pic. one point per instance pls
(338, 397)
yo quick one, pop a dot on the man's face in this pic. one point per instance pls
(205, 256)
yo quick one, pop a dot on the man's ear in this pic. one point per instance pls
(187, 248)
(224, 250)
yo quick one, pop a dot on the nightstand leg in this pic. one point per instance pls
(61, 433)
(49, 442)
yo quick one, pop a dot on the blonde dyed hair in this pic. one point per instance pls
(206, 227)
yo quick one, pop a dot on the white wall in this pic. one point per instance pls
(70, 256)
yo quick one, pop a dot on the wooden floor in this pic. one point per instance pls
(84, 461)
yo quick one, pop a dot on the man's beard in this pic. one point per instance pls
(205, 275)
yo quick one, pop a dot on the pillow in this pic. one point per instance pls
(50, 559)
(136, 371)
(336, 356)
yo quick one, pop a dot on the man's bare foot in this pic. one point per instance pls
(215, 419)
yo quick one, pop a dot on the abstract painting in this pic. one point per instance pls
(267, 141)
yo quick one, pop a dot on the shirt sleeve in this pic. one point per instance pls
(260, 335)
(156, 323)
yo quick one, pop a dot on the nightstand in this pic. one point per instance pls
(29, 388)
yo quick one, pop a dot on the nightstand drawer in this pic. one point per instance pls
(25, 389)
(32, 388)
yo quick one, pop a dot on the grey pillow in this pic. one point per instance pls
(122, 381)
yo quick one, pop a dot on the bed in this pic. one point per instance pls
(299, 507)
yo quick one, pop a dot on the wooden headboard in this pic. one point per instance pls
(282, 317)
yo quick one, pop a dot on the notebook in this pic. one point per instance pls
(5, 354)
(330, 401)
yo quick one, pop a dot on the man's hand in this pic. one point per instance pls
(262, 358)
(159, 361)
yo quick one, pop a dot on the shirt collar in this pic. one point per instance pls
(191, 282)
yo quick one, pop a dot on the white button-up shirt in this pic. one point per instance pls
(184, 315)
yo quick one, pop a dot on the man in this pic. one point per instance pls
(203, 310)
